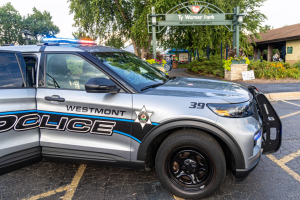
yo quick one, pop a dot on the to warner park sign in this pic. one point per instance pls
(185, 19)
(198, 14)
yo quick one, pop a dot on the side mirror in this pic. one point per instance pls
(101, 85)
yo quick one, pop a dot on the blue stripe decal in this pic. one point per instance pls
(68, 114)
(52, 122)
(78, 125)
(87, 116)
(127, 135)
(17, 112)
(30, 122)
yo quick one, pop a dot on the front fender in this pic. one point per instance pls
(211, 128)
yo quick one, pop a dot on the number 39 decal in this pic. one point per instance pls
(197, 105)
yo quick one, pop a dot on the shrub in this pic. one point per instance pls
(227, 63)
(275, 70)
(183, 65)
(296, 65)
(212, 66)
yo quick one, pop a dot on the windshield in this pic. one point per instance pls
(134, 70)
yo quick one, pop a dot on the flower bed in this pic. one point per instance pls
(277, 70)
(158, 62)
(235, 60)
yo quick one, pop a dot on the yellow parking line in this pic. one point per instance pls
(291, 103)
(49, 193)
(295, 113)
(72, 187)
(177, 198)
(284, 167)
(69, 188)
(290, 157)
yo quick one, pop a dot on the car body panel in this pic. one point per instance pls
(210, 91)
(85, 108)
(19, 139)
(73, 130)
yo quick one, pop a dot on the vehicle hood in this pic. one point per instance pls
(203, 88)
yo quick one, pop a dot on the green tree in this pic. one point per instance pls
(40, 24)
(82, 35)
(198, 37)
(10, 25)
(128, 18)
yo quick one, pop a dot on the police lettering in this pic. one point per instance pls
(55, 122)
(95, 110)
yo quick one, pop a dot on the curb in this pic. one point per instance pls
(281, 96)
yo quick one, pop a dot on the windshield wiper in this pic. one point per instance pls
(172, 77)
(151, 86)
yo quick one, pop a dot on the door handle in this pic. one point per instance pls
(55, 98)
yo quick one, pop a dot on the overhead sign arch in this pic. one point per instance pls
(198, 13)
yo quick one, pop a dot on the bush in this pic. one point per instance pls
(275, 70)
(296, 65)
(212, 66)
(183, 65)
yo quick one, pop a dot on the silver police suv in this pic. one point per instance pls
(104, 106)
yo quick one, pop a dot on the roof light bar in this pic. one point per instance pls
(68, 41)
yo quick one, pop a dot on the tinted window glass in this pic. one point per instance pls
(69, 71)
(134, 70)
(10, 74)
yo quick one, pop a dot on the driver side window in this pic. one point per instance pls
(68, 71)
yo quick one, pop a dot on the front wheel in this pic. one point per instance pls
(190, 164)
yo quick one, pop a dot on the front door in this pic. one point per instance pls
(19, 121)
(76, 125)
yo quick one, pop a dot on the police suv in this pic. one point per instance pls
(83, 103)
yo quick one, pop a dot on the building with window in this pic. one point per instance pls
(285, 39)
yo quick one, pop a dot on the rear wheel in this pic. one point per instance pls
(190, 164)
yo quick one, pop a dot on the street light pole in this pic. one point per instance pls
(237, 20)
(153, 17)
(26, 35)
(237, 34)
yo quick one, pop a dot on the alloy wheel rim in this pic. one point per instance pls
(189, 168)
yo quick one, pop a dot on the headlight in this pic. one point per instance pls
(233, 110)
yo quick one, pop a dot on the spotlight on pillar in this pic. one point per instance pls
(241, 18)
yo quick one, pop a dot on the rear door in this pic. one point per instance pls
(19, 133)
(77, 126)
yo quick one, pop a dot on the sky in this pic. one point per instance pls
(279, 12)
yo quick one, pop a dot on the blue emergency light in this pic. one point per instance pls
(68, 41)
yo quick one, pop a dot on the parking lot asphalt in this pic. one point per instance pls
(277, 176)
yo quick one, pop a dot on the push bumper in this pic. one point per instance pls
(272, 126)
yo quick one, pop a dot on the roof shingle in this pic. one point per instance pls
(280, 34)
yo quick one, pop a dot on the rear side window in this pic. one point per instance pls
(10, 74)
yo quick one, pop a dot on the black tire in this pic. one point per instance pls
(189, 153)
